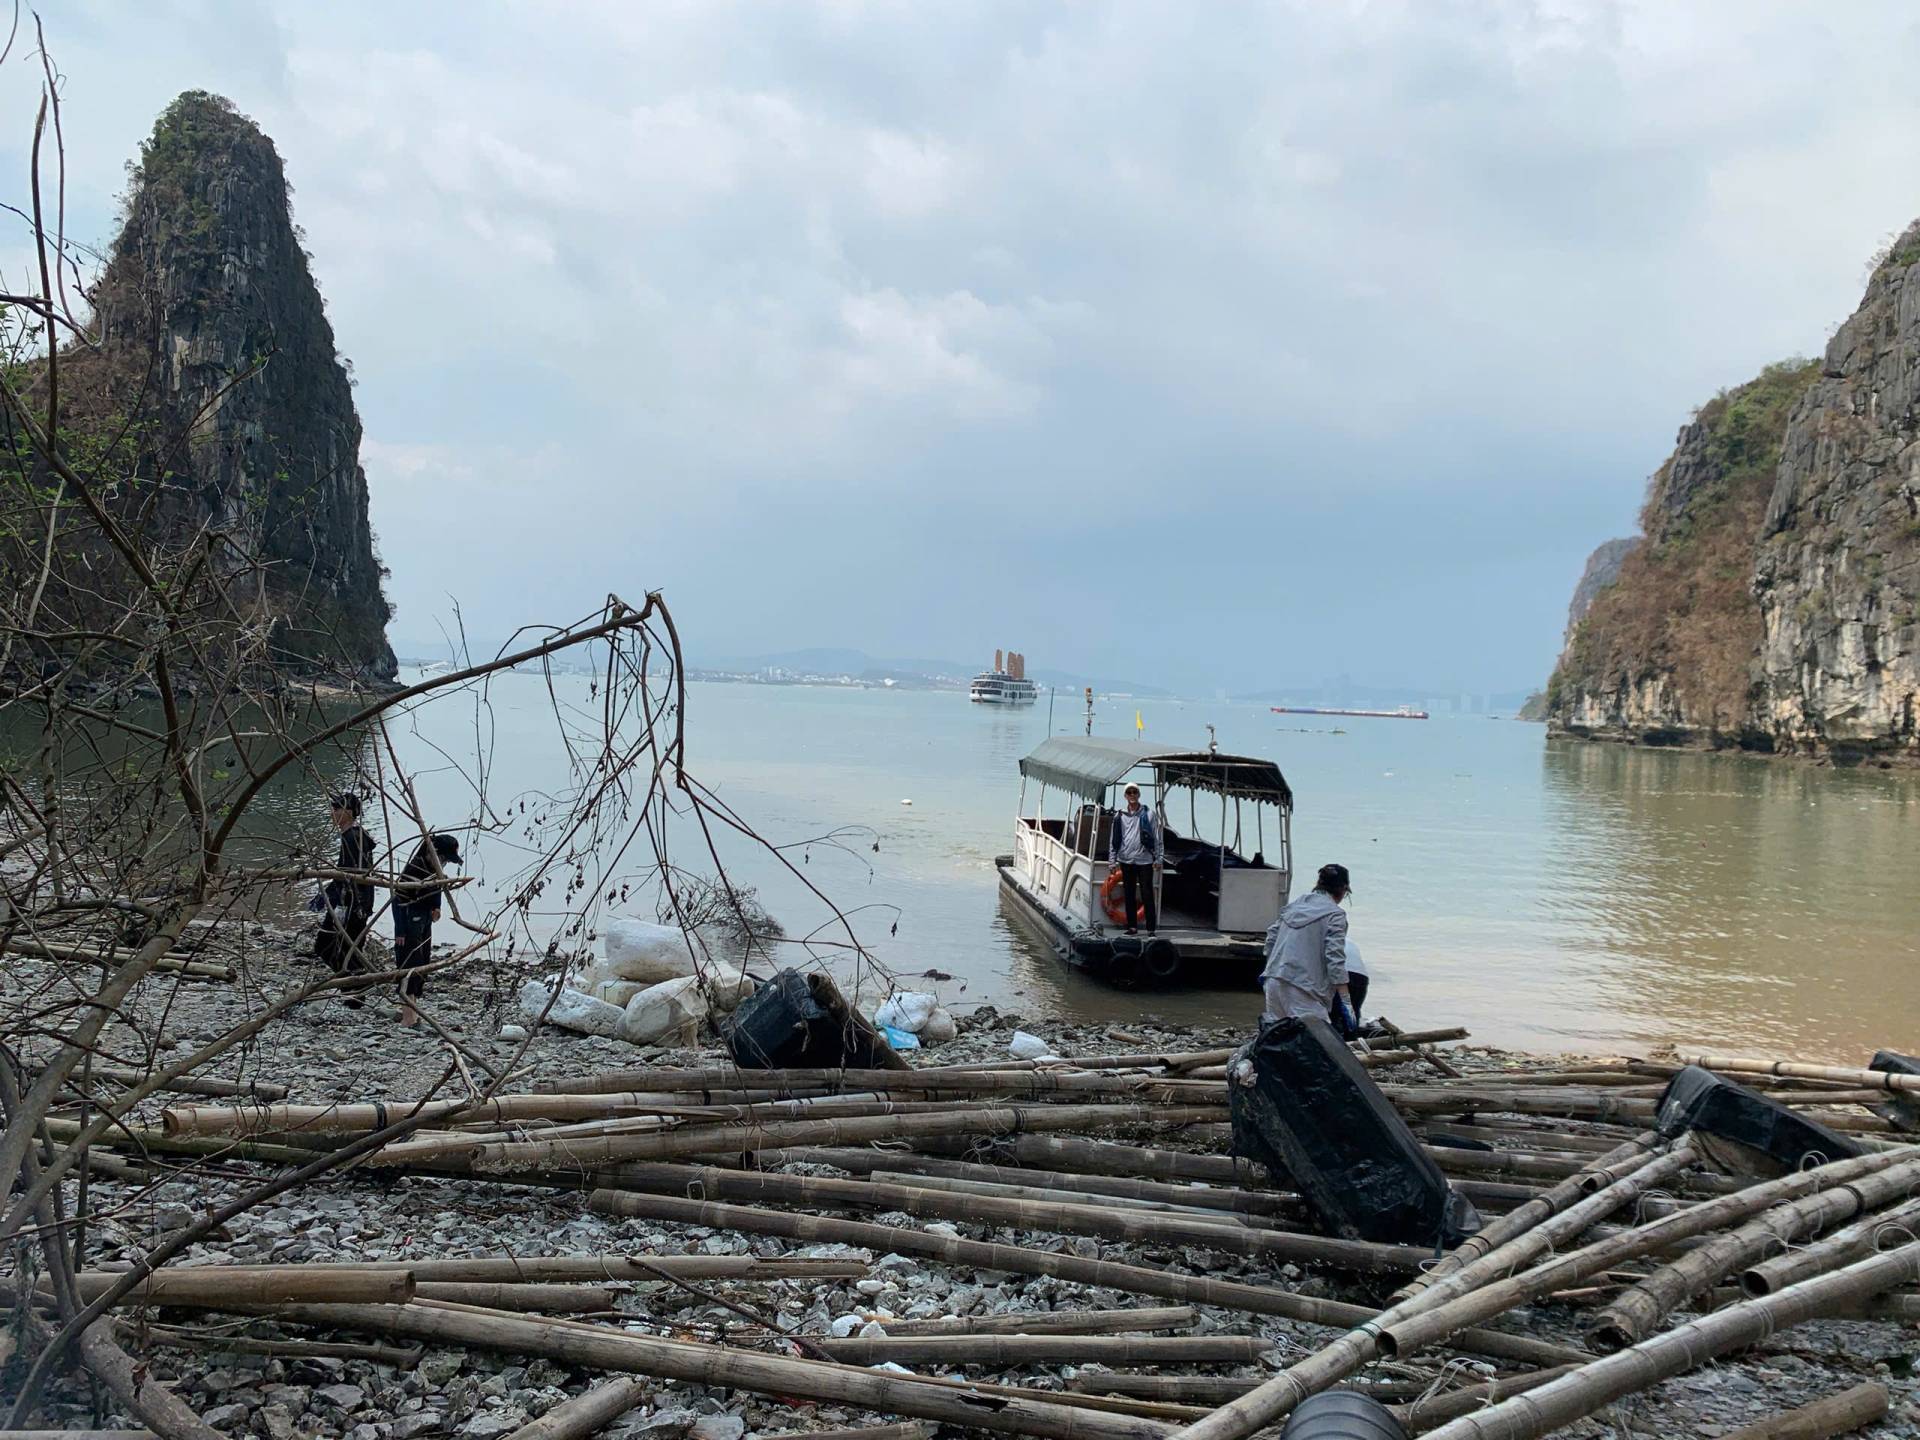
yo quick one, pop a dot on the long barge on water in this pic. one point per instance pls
(1404, 712)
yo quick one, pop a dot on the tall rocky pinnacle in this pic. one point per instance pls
(208, 299)
(1774, 603)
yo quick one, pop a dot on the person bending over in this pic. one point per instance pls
(1306, 969)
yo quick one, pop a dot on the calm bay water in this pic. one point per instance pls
(1550, 895)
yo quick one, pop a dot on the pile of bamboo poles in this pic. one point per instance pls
(1612, 1232)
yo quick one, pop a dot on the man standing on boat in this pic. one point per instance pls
(1137, 849)
(1307, 956)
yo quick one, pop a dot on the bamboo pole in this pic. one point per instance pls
(186, 1085)
(1194, 1389)
(1358, 1347)
(1200, 1214)
(1432, 1410)
(1858, 1079)
(1635, 1314)
(1051, 1322)
(1009, 1351)
(168, 1336)
(1620, 1161)
(595, 1348)
(1567, 1103)
(1896, 1306)
(218, 1286)
(1430, 1326)
(1201, 1196)
(546, 1299)
(141, 1139)
(1586, 1389)
(540, 1269)
(739, 1139)
(588, 1413)
(1004, 1072)
(1104, 1157)
(1105, 1223)
(165, 965)
(1839, 1248)
(983, 1255)
(906, 1430)
(1831, 1415)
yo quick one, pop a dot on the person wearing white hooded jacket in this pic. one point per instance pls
(1307, 952)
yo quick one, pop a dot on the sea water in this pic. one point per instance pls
(1549, 894)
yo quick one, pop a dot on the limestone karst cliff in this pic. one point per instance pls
(1774, 604)
(214, 334)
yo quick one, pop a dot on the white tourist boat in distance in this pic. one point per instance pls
(1006, 683)
(1228, 827)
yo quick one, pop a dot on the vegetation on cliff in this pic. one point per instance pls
(206, 385)
(1681, 611)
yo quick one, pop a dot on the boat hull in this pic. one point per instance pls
(1173, 958)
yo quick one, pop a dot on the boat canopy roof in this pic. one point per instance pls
(1086, 766)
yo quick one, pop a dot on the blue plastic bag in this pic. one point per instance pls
(900, 1039)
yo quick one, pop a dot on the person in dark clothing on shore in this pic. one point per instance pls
(416, 905)
(340, 945)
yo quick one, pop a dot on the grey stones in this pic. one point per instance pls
(342, 1397)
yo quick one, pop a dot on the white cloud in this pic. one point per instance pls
(703, 289)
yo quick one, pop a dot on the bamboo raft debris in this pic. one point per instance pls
(1033, 1168)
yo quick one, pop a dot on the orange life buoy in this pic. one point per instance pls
(1112, 902)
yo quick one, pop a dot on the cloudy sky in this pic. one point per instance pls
(1209, 345)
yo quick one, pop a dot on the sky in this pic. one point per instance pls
(1211, 346)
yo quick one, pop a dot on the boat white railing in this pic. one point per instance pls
(1055, 870)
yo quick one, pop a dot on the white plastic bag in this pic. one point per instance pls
(616, 992)
(906, 1010)
(940, 1027)
(571, 1011)
(1029, 1047)
(725, 987)
(641, 950)
(671, 1010)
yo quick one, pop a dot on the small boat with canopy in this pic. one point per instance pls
(1227, 823)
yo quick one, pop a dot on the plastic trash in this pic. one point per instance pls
(900, 1039)
(641, 950)
(1758, 1136)
(671, 1010)
(616, 992)
(907, 1010)
(940, 1027)
(725, 986)
(1902, 1107)
(1342, 1415)
(1029, 1047)
(1319, 1124)
(572, 1010)
(803, 1020)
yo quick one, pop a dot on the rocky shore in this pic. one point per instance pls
(262, 1377)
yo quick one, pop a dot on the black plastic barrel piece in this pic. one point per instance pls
(1902, 1107)
(1342, 1415)
(1313, 1116)
(1778, 1138)
(781, 1025)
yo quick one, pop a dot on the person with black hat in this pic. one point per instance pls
(416, 905)
(1306, 970)
(340, 945)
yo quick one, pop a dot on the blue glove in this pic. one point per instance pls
(1344, 1022)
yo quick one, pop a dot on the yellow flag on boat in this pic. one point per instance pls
(1139, 725)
